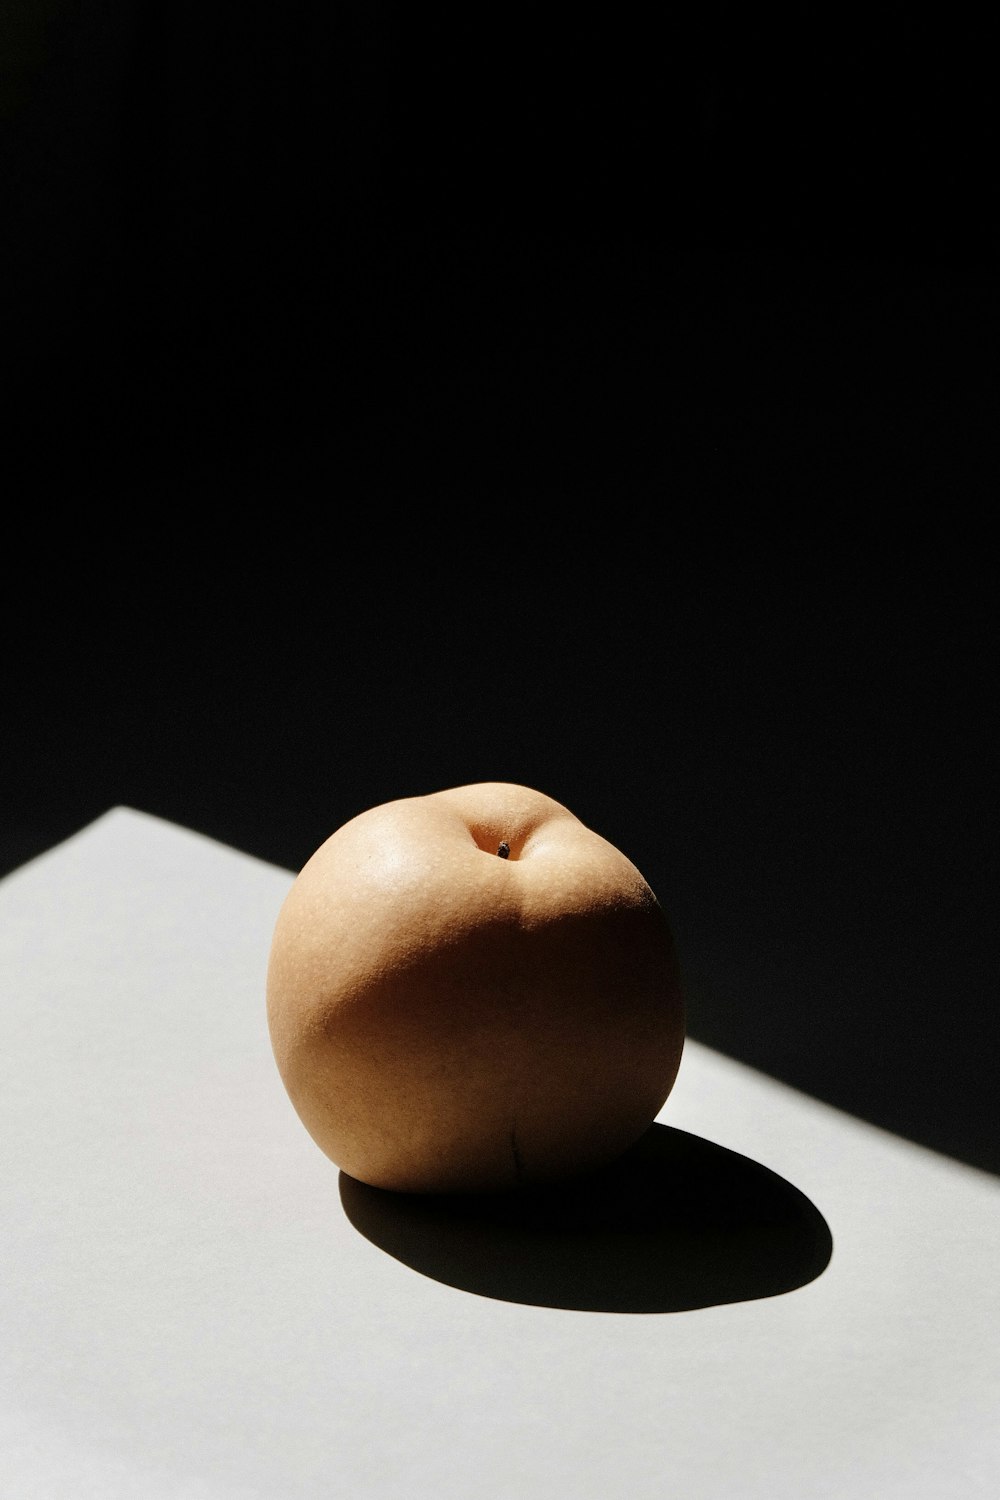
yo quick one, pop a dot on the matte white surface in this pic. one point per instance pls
(187, 1313)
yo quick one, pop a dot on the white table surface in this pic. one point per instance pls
(188, 1312)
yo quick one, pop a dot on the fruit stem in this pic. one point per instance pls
(504, 850)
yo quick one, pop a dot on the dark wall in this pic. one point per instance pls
(366, 225)
(399, 400)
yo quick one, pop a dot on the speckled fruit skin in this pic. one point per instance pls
(451, 1015)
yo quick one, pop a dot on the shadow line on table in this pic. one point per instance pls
(677, 1223)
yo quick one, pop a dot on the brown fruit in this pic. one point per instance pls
(470, 991)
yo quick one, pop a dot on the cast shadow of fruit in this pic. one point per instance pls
(677, 1223)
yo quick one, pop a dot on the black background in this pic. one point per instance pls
(396, 399)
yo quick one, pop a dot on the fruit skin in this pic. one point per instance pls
(449, 1018)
